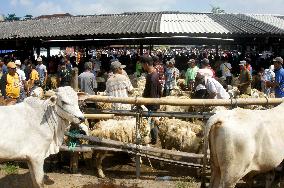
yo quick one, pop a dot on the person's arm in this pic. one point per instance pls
(3, 85)
(45, 76)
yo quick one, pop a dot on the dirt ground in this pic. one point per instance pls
(119, 173)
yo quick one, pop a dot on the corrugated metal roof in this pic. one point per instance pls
(242, 24)
(142, 23)
(271, 20)
(190, 23)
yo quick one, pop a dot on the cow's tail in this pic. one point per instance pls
(210, 123)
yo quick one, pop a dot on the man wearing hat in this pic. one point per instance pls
(278, 84)
(42, 72)
(118, 85)
(10, 83)
(191, 74)
(245, 79)
(171, 74)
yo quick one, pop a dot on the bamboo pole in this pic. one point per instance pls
(186, 102)
(99, 116)
(134, 147)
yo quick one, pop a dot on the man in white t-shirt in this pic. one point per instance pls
(42, 72)
(22, 77)
(214, 90)
(226, 68)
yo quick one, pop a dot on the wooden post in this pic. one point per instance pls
(137, 157)
(74, 159)
(74, 79)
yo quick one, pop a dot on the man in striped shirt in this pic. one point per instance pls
(118, 85)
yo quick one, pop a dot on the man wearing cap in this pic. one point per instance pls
(278, 84)
(42, 72)
(118, 85)
(10, 83)
(87, 80)
(191, 74)
(214, 90)
(245, 79)
(205, 69)
(171, 74)
(22, 76)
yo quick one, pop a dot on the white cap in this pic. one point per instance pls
(18, 62)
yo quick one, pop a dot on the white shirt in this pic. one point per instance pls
(118, 85)
(22, 77)
(213, 86)
(206, 72)
(226, 69)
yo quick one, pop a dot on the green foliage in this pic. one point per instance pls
(10, 168)
(216, 10)
(28, 17)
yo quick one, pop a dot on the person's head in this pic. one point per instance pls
(156, 60)
(18, 63)
(199, 78)
(277, 62)
(39, 60)
(242, 65)
(63, 65)
(88, 66)
(171, 63)
(147, 62)
(191, 63)
(11, 68)
(205, 63)
(117, 67)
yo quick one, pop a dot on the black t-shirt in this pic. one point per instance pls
(152, 89)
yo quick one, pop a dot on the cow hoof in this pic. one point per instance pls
(101, 174)
(48, 180)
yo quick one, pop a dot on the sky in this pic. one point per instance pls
(91, 7)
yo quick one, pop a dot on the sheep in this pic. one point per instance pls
(184, 136)
(119, 130)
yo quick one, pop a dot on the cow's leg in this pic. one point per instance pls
(36, 169)
(99, 159)
(215, 167)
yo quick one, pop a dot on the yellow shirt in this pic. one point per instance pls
(34, 75)
(13, 86)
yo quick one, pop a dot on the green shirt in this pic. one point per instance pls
(191, 74)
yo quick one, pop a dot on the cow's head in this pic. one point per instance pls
(66, 101)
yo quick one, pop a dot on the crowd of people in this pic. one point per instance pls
(109, 71)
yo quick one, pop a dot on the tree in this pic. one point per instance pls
(28, 17)
(216, 10)
(12, 17)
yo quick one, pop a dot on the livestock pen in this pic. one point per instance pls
(151, 152)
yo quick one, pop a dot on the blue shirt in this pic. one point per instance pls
(279, 78)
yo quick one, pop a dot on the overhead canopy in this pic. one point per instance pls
(155, 26)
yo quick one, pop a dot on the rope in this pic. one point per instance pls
(73, 142)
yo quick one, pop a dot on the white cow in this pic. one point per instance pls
(244, 142)
(34, 129)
